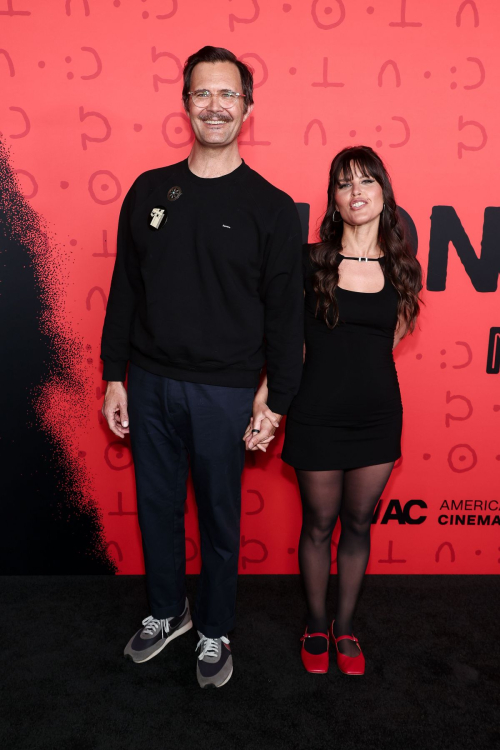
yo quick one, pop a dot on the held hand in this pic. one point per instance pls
(263, 443)
(114, 408)
(264, 424)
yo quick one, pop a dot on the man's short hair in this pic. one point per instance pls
(213, 55)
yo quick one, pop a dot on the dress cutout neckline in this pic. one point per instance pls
(354, 257)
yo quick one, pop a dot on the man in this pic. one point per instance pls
(207, 286)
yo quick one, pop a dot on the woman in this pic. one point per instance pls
(343, 428)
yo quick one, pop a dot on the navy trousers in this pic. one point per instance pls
(175, 425)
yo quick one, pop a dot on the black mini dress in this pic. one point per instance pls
(348, 410)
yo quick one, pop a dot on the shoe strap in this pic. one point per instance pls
(315, 635)
(346, 637)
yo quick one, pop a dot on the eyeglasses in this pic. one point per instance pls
(226, 99)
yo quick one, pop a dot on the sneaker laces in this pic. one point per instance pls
(152, 625)
(209, 646)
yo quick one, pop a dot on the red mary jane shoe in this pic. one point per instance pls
(315, 663)
(354, 665)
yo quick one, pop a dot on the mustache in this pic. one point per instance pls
(207, 116)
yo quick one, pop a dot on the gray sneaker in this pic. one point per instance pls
(215, 663)
(155, 634)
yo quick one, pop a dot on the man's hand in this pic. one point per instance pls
(266, 422)
(115, 410)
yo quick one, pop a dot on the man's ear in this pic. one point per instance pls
(248, 112)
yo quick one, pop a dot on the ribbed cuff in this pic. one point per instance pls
(279, 403)
(114, 370)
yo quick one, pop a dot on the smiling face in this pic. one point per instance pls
(360, 199)
(215, 126)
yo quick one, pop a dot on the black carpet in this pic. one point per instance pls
(432, 680)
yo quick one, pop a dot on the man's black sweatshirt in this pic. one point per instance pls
(213, 293)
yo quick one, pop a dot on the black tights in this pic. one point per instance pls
(351, 495)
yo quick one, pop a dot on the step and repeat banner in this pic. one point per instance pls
(91, 97)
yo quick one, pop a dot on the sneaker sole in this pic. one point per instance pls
(211, 684)
(177, 633)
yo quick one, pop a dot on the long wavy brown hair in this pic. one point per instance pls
(401, 267)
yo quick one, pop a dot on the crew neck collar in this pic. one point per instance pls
(235, 174)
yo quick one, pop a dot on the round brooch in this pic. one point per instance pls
(174, 193)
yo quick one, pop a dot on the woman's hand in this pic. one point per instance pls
(262, 445)
(262, 427)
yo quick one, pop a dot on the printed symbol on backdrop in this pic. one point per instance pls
(395, 68)
(397, 144)
(105, 253)
(446, 230)
(474, 124)
(183, 127)
(467, 362)
(95, 139)
(406, 137)
(118, 551)
(493, 357)
(258, 80)
(451, 417)
(441, 548)
(263, 550)
(250, 131)
(260, 507)
(117, 455)
(10, 64)
(390, 559)
(85, 7)
(402, 23)
(479, 82)
(177, 63)
(158, 217)
(462, 458)
(104, 186)
(321, 15)
(473, 7)
(91, 293)
(98, 64)
(11, 12)
(236, 19)
(27, 125)
(321, 129)
(120, 511)
(194, 549)
(34, 183)
(325, 83)
(174, 193)
(164, 16)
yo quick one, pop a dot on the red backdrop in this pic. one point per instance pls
(91, 98)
